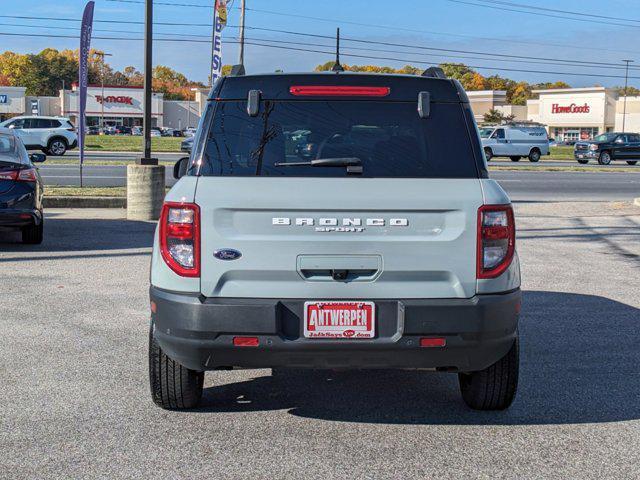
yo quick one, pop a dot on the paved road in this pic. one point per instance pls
(75, 399)
(521, 185)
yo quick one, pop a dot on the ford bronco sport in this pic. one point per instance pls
(331, 221)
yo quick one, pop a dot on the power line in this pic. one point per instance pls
(346, 54)
(449, 52)
(429, 32)
(580, 14)
(542, 14)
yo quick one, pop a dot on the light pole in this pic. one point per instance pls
(102, 54)
(242, 15)
(626, 83)
(146, 179)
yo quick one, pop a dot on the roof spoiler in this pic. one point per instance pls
(434, 72)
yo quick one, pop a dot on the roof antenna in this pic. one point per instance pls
(336, 66)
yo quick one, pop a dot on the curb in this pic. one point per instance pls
(84, 202)
(636, 202)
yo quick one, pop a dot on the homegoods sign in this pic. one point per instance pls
(573, 108)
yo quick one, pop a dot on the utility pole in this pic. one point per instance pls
(146, 179)
(626, 83)
(242, 18)
(148, 83)
(102, 54)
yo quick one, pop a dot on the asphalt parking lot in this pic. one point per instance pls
(75, 400)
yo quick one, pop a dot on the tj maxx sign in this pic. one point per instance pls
(121, 100)
(573, 108)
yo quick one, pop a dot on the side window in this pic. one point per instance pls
(54, 124)
(40, 123)
(29, 123)
(499, 133)
(17, 124)
(621, 139)
(634, 138)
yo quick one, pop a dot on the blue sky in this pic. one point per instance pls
(430, 23)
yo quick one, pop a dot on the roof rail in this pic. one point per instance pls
(434, 72)
(237, 71)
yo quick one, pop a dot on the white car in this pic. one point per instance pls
(53, 135)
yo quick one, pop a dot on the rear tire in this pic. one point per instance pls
(33, 234)
(515, 159)
(582, 161)
(632, 162)
(493, 388)
(534, 155)
(488, 154)
(57, 147)
(173, 387)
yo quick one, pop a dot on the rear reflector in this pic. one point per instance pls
(245, 341)
(433, 342)
(339, 91)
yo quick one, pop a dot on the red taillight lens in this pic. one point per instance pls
(180, 238)
(496, 240)
(9, 175)
(339, 91)
(28, 175)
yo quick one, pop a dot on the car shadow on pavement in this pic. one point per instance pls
(580, 356)
(64, 234)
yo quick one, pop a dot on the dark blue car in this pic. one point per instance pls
(20, 189)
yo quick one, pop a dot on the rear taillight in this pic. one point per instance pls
(496, 240)
(26, 175)
(180, 238)
(9, 175)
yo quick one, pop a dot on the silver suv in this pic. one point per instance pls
(335, 220)
(52, 135)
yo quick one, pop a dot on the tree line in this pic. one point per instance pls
(517, 92)
(45, 74)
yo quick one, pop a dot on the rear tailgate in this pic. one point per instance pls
(394, 238)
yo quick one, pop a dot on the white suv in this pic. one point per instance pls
(52, 135)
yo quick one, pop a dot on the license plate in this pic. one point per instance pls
(339, 319)
(580, 155)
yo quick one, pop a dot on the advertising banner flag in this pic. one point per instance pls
(85, 46)
(219, 22)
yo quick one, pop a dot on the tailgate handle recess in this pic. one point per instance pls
(321, 268)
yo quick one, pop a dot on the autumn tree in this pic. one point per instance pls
(496, 116)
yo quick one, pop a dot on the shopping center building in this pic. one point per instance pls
(572, 114)
(117, 105)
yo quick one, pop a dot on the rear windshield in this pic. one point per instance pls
(389, 139)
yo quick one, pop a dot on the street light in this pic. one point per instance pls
(626, 82)
(102, 54)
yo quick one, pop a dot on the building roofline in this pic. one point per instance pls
(574, 90)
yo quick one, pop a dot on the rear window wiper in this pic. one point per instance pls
(353, 164)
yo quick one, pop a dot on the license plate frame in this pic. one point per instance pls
(330, 324)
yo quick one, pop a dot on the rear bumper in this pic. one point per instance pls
(19, 217)
(198, 333)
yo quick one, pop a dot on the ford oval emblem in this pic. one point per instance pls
(227, 254)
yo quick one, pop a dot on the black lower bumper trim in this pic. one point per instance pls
(198, 332)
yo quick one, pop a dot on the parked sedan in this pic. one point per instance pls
(20, 188)
(608, 147)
